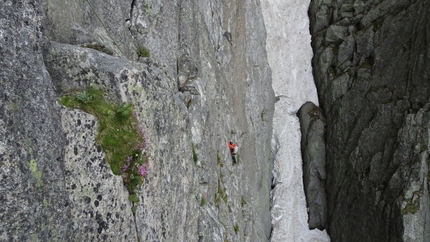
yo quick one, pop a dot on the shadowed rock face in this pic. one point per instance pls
(200, 88)
(312, 126)
(371, 68)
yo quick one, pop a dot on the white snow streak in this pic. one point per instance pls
(289, 54)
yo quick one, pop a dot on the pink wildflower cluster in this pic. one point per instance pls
(144, 169)
(127, 164)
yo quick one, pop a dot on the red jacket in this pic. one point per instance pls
(233, 148)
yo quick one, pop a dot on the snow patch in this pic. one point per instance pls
(289, 54)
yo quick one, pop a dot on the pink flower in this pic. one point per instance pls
(127, 164)
(143, 169)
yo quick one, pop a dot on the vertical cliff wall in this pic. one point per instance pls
(33, 196)
(206, 81)
(371, 63)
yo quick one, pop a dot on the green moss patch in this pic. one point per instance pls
(143, 52)
(221, 195)
(202, 201)
(243, 202)
(218, 160)
(236, 228)
(120, 136)
(195, 157)
(37, 174)
(411, 208)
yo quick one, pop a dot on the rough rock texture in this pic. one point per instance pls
(34, 201)
(413, 157)
(207, 82)
(99, 201)
(88, 21)
(371, 68)
(312, 126)
(170, 181)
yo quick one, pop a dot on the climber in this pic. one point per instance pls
(233, 150)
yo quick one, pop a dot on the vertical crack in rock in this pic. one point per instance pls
(132, 6)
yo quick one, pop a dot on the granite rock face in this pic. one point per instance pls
(371, 68)
(84, 22)
(35, 203)
(99, 201)
(207, 81)
(312, 126)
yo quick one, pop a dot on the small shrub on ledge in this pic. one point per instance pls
(121, 137)
(195, 157)
(143, 52)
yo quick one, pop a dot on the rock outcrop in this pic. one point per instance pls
(312, 126)
(207, 81)
(371, 68)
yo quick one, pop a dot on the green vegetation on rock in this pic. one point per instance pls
(37, 174)
(195, 157)
(221, 194)
(189, 103)
(243, 202)
(203, 201)
(143, 52)
(236, 228)
(218, 160)
(411, 208)
(120, 136)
